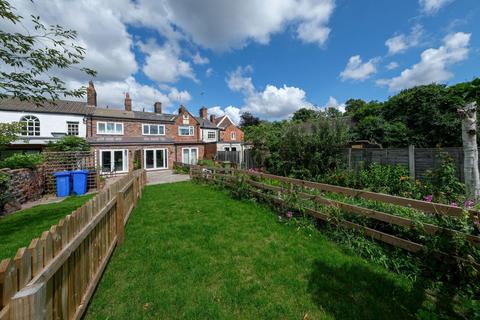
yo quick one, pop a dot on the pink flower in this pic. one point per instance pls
(428, 198)
(453, 204)
(468, 204)
(289, 214)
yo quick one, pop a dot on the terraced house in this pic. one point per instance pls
(123, 138)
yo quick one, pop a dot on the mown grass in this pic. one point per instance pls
(17, 230)
(192, 252)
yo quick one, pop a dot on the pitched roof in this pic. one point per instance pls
(132, 115)
(59, 106)
(205, 123)
(220, 122)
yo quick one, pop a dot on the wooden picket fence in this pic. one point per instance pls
(270, 193)
(55, 277)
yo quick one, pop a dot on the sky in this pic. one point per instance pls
(269, 58)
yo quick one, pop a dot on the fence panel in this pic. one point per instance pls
(75, 160)
(232, 156)
(55, 277)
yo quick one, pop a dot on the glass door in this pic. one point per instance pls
(190, 155)
(114, 160)
(156, 159)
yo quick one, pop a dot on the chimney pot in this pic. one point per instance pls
(128, 102)
(212, 118)
(203, 113)
(181, 109)
(91, 94)
(157, 107)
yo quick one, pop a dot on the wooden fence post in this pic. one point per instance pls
(120, 213)
(30, 303)
(411, 162)
(349, 157)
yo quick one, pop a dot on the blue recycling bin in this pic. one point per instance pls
(79, 181)
(63, 183)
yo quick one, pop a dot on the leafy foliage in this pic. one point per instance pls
(31, 54)
(247, 119)
(19, 160)
(69, 143)
(4, 189)
(8, 133)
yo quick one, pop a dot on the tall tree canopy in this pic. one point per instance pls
(29, 55)
(247, 119)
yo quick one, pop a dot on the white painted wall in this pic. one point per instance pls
(49, 122)
(205, 138)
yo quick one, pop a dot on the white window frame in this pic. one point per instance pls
(69, 123)
(233, 136)
(112, 164)
(214, 135)
(191, 131)
(189, 153)
(109, 133)
(149, 125)
(165, 150)
(35, 124)
(186, 118)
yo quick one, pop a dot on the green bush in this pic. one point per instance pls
(19, 160)
(4, 189)
(69, 143)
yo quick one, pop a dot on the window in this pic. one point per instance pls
(72, 128)
(190, 155)
(114, 160)
(234, 148)
(211, 135)
(186, 118)
(30, 126)
(185, 131)
(154, 129)
(233, 135)
(109, 128)
(227, 149)
(156, 158)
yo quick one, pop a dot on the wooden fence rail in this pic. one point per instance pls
(271, 193)
(56, 275)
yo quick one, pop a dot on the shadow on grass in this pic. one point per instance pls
(354, 291)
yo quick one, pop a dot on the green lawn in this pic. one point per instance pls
(192, 252)
(18, 229)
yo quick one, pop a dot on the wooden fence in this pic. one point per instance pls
(55, 277)
(310, 191)
(73, 160)
(417, 160)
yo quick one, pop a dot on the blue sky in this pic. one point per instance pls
(271, 57)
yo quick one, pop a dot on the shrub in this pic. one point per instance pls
(20, 160)
(443, 184)
(69, 143)
(4, 190)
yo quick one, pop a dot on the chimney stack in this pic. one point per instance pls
(128, 102)
(91, 94)
(181, 109)
(157, 107)
(203, 113)
(212, 118)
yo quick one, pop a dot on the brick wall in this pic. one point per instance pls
(25, 185)
(201, 151)
(227, 134)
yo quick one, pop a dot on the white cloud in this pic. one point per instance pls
(232, 112)
(333, 103)
(198, 59)
(433, 63)
(209, 72)
(400, 43)
(179, 96)
(357, 70)
(238, 81)
(392, 65)
(163, 64)
(432, 6)
(222, 25)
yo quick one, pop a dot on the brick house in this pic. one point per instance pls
(231, 137)
(127, 139)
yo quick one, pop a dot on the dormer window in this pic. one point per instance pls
(30, 126)
(233, 135)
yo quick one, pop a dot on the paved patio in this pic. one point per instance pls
(165, 176)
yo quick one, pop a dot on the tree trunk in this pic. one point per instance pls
(470, 150)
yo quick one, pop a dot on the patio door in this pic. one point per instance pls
(190, 155)
(156, 159)
(114, 160)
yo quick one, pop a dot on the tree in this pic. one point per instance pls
(247, 119)
(8, 133)
(29, 56)
(69, 143)
(304, 114)
(468, 114)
